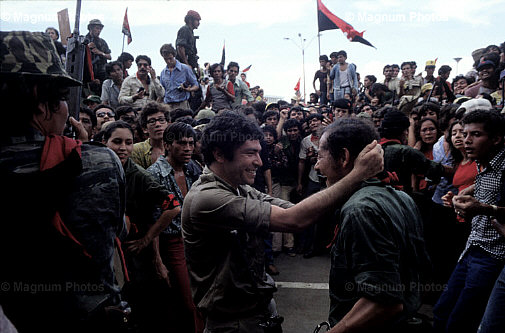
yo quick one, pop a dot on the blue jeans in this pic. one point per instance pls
(494, 317)
(461, 305)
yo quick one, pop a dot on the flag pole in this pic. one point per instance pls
(122, 49)
(319, 42)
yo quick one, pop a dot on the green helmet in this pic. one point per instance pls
(25, 53)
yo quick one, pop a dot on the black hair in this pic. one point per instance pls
(103, 106)
(376, 87)
(227, 132)
(371, 78)
(432, 106)
(177, 131)
(55, 31)
(143, 57)
(107, 132)
(447, 112)
(314, 115)
(259, 106)
(406, 63)
(385, 67)
(354, 134)
(166, 49)
(493, 122)
(342, 52)
(489, 47)
(151, 108)
(124, 109)
(124, 57)
(109, 67)
(456, 154)
(233, 64)
(395, 66)
(214, 66)
(90, 113)
(270, 129)
(270, 113)
(418, 131)
(296, 109)
(469, 80)
(17, 94)
(444, 69)
(323, 57)
(333, 54)
(179, 113)
(292, 123)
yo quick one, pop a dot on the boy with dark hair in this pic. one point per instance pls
(463, 302)
(344, 77)
(112, 86)
(321, 75)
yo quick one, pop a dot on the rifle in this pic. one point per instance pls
(75, 64)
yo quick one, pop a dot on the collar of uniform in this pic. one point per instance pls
(209, 176)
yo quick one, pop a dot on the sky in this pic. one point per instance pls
(254, 32)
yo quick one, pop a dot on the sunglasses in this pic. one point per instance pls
(102, 114)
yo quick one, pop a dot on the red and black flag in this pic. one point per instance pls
(246, 69)
(326, 20)
(126, 27)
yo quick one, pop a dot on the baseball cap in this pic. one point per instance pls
(25, 53)
(485, 63)
(92, 99)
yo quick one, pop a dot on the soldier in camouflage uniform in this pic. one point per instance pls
(66, 199)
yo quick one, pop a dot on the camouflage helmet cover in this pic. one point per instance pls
(31, 54)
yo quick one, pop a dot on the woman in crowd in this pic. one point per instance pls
(149, 209)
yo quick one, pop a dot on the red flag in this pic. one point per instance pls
(326, 20)
(297, 87)
(126, 27)
(246, 69)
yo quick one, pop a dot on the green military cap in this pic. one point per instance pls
(94, 22)
(33, 54)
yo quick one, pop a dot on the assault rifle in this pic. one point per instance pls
(75, 64)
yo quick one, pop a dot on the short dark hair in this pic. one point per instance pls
(406, 63)
(233, 64)
(333, 54)
(124, 109)
(109, 67)
(166, 49)
(323, 57)
(270, 113)
(91, 114)
(395, 66)
(214, 66)
(354, 134)
(432, 106)
(270, 129)
(444, 69)
(493, 122)
(342, 52)
(58, 33)
(176, 131)
(179, 113)
(143, 57)
(292, 123)
(125, 56)
(296, 109)
(386, 67)
(103, 106)
(151, 108)
(372, 78)
(107, 132)
(311, 116)
(227, 132)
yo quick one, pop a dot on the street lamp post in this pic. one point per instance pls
(301, 46)
(457, 63)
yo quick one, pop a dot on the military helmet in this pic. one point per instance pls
(25, 53)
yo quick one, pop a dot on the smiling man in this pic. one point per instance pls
(378, 253)
(225, 220)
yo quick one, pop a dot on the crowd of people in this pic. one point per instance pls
(180, 191)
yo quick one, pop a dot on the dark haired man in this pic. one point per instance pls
(178, 80)
(88, 120)
(443, 89)
(462, 304)
(111, 87)
(239, 86)
(371, 292)
(271, 118)
(322, 75)
(154, 119)
(393, 83)
(224, 222)
(430, 69)
(99, 49)
(342, 108)
(136, 90)
(395, 70)
(344, 77)
(186, 40)
(171, 171)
